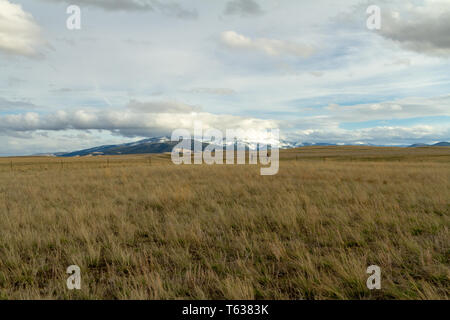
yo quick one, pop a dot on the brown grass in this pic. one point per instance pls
(146, 229)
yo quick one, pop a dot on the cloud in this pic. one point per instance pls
(8, 105)
(397, 109)
(243, 8)
(215, 91)
(399, 62)
(387, 129)
(271, 47)
(132, 5)
(161, 107)
(138, 119)
(19, 33)
(147, 119)
(423, 27)
(171, 9)
(381, 135)
(317, 73)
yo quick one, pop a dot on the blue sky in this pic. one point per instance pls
(144, 68)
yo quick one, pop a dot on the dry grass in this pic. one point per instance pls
(152, 230)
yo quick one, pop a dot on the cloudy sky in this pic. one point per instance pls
(142, 68)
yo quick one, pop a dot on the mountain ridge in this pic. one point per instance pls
(164, 144)
(439, 144)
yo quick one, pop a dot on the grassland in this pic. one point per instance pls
(142, 228)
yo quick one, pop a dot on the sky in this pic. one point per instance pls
(143, 68)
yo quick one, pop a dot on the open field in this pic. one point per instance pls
(140, 227)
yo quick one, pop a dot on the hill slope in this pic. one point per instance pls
(152, 145)
(439, 144)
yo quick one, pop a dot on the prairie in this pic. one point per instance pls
(140, 227)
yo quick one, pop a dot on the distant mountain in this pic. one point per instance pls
(164, 144)
(439, 144)
(311, 144)
(442, 144)
(152, 145)
(416, 145)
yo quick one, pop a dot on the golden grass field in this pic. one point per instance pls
(140, 227)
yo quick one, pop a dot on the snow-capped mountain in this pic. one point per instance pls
(150, 145)
(164, 144)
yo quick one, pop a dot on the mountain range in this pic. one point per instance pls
(439, 144)
(164, 144)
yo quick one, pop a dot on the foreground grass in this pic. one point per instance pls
(146, 229)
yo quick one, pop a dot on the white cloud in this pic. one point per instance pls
(141, 119)
(19, 33)
(380, 135)
(271, 47)
(144, 119)
(397, 109)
